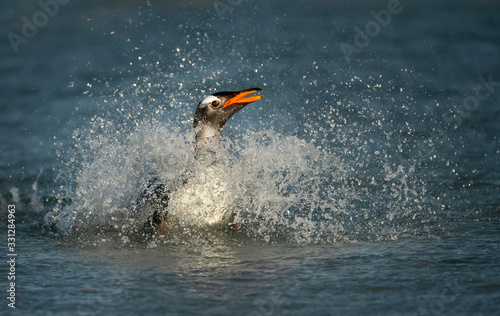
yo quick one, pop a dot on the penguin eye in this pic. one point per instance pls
(215, 103)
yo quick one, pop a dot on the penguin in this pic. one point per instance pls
(210, 116)
(213, 112)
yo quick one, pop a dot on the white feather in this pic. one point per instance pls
(206, 200)
(208, 100)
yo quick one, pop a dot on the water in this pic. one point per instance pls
(364, 183)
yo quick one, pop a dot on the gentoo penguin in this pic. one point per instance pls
(211, 114)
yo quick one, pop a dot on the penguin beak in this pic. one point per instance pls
(241, 97)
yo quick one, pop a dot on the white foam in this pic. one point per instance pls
(278, 186)
(263, 178)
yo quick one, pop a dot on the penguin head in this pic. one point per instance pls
(217, 108)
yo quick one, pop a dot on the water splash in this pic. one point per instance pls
(261, 177)
(14, 191)
(35, 201)
(321, 183)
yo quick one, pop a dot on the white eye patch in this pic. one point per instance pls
(208, 100)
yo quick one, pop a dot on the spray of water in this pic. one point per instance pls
(324, 183)
(273, 183)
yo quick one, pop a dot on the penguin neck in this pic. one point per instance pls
(206, 140)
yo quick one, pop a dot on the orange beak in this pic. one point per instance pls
(240, 98)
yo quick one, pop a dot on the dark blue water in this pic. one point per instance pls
(366, 182)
